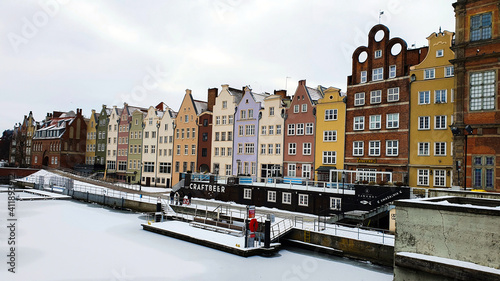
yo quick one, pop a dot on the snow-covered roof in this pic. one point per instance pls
(237, 94)
(259, 97)
(200, 106)
(314, 94)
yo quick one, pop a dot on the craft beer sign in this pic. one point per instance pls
(207, 187)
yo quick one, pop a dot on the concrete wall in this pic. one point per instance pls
(433, 192)
(376, 253)
(112, 201)
(465, 231)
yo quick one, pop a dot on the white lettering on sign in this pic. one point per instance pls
(208, 187)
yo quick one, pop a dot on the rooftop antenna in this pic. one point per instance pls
(380, 15)
(286, 82)
(440, 29)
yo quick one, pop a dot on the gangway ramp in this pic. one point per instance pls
(280, 229)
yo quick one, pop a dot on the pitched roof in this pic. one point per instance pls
(200, 106)
(314, 94)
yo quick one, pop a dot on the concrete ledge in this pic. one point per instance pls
(313, 247)
(452, 269)
(352, 248)
(235, 251)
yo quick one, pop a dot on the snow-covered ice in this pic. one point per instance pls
(70, 240)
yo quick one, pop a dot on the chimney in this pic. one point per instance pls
(212, 96)
(302, 83)
(281, 93)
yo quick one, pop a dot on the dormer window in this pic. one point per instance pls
(378, 54)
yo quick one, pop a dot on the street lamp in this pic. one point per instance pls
(465, 132)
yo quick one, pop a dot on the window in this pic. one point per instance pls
(149, 167)
(217, 136)
(271, 111)
(392, 121)
(329, 136)
(270, 149)
(278, 129)
(247, 193)
(330, 114)
(243, 114)
(286, 198)
(378, 74)
(440, 148)
(392, 94)
(440, 122)
(216, 151)
(249, 148)
(250, 113)
(358, 148)
(291, 129)
(291, 170)
(482, 90)
(223, 136)
(271, 196)
(306, 170)
(392, 148)
(224, 104)
(217, 120)
(240, 148)
(335, 203)
(429, 73)
(271, 130)
(375, 122)
(177, 166)
(378, 54)
(439, 53)
(303, 200)
(292, 148)
(363, 78)
(178, 149)
(359, 99)
(423, 122)
(229, 136)
(483, 171)
(439, 178)
(182, 133)
(304, 107)
(262, 149)
(193, 149)
(424, 97)
(263, 130)
(228, 170)
(278, 148)
(250, 130)
(329, 157)
(480, 27)
(309, 128)
(186, 149)
(374, 148)
(359, 123)
(423, 177)
(423, 149)
(449, 71)
(222, 151)
(224, 120)
(296, 108)
(153, 149)
(392, 71)
(306, 148)
(230, 119)
(440, 96)
(376, 96)
(165, 168)
(146, 149)
(300, 129)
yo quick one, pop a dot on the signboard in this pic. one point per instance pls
(371, 196)
(251, 212)
(367, 160)
(207, 187)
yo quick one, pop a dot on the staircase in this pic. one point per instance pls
(280, 229)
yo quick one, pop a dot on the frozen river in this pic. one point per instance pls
(70, 240)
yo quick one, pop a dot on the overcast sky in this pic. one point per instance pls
(63, 55)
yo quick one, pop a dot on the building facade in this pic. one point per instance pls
(299, 142)
(102, 137)
(186, 136)
(246, 126)
(477, 116)
(431, 114)
(150, 147)
(223, 126)
(112, 142)
(135, 147)
(165, 147)
(270, 147)
(378, 106)
(90, 147)
(330, 132)
(205, 127)
(60, 141)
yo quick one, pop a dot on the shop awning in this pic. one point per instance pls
(325, 169)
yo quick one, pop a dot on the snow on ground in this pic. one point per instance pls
(69, 240)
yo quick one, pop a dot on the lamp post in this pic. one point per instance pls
(466, 131)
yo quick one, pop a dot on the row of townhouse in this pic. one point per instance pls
(429, 115)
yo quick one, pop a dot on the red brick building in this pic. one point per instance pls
(299, 132)
(378, 105)
(60, 141)
(476, 125)
(205, 134)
